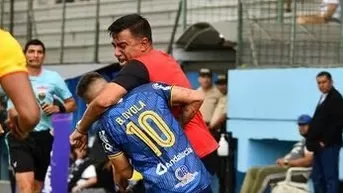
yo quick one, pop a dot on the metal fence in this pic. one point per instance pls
(270, 34)
(74, 31)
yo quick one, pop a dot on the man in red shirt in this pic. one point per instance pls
(141, 63)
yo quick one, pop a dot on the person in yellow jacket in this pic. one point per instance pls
(15, 83)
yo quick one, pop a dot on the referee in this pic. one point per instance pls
(30, 157)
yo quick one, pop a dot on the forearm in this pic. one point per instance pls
(188, 112)
(19, 120)
(109, 95)
(301, 162)
(69, 106)
(92, 113)
(313, 19)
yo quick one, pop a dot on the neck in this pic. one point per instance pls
(34, 71)
(149, 49)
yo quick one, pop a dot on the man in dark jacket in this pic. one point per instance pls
(325, 136)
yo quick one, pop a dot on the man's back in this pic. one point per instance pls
(142, 126)
(163, 68)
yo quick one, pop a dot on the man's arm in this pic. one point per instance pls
(132, 75)
(62, 91)
(122, 170)
(335, 121)
(110, 95)
(15, 85)
(319, 18)
(306, 161)
(191, 100)
(69, 105)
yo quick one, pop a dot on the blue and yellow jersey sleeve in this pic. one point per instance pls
(12, 58)
(111, 149)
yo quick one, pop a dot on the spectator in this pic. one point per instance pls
(325, 136)
(82, 172)
(212, 94)
(219, 114)
(330, 11)
(257, 179)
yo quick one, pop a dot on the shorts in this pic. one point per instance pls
(31, 154)
(210, 162)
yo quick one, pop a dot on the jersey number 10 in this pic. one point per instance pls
(133, 129)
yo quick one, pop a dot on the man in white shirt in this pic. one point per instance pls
(330, 11)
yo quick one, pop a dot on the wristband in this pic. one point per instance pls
(62, 108)
(78, 128)
(83, 133)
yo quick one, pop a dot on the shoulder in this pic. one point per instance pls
(52, 75)
(336, 94)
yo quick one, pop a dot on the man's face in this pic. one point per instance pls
(94, 89)
(222, 88)
(303, 129)
(205, 81)
(35, 56)
(324, 84)
(128, 47)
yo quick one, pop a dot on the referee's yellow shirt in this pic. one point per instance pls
(12, 58)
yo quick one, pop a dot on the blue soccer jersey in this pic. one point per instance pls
(142, 126)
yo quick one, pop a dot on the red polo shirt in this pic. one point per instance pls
(157, 66)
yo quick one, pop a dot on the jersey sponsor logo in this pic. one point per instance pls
(184, 176)
(162, 168)
(160, 86)
(105, 142)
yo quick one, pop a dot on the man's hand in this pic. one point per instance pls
(280, 162)
(121, 182)
(78, 140)
(76, 189)
(13, 125)
(50, 109)
(1, 130)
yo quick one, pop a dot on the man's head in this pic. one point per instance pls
(131, 36)
(324, 81)
(90, 85)
(205, 78)
(35, 53)
(221, 83)
(303, 123)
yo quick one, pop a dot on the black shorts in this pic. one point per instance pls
(31, 154)
(210, 162)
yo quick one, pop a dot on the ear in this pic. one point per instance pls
(145, 44)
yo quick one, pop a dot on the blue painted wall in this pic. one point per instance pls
(263, 106)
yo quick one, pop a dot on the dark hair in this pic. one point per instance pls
(325, 73)
(85, 82)
(35, 42)
(138, 26)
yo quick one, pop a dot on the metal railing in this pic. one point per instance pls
(268, 33)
